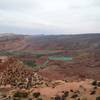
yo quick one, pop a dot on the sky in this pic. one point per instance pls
(50, 16)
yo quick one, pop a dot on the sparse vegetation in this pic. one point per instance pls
(26, 81)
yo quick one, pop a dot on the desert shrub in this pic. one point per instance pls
(39, 99)
(46, 84)
(36, 94)
(57, 97)
(95, 87)
(21, 94)
(92, 92)
(4, 95)
(71, 90)
(94, 83)
(66, 93)
(98, 98)
(74, 96)
(98, 84)
(66, 81)
(78, 99)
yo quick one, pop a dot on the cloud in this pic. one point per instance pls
(50, 16)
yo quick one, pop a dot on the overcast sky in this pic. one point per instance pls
(50, 16)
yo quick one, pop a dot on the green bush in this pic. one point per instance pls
(66, 93)
(57, 97)
(93, 92)
(94, 83)
(98, 84)
(21, 94)
(36, 94)
(74, 96)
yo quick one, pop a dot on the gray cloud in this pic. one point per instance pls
(50, 16)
